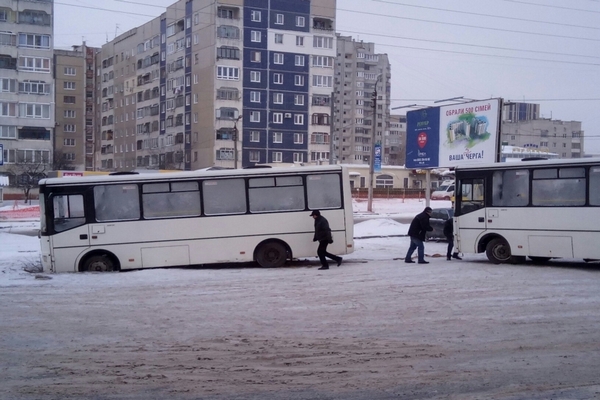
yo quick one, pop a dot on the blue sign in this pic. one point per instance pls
(1, 154)
(423, 138)
(377, 164)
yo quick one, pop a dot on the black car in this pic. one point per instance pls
(437, 220)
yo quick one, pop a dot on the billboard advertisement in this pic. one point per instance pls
(465, 133)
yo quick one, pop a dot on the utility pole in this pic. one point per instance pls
(235, 142)
(331, 130)
(372, 159)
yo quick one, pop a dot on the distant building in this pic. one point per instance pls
(395, 142)
(75, 79)
(359, 73)
(26, 89)
(522, 127)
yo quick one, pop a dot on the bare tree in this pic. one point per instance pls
(26, 175)
(61, 163)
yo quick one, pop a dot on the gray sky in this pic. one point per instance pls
(539, 51)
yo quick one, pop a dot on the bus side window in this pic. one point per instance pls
(510, 188)
(68, 212)
(324, 191)
(594, 188)
(471, 195)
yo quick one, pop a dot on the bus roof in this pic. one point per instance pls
(532, 163)
(182, 175)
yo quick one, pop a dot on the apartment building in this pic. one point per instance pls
(227, 83)
(74, 77)
(26, 89)
(395, 143)
(361, 74)
(522, 127)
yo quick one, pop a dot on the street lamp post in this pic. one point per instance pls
(372, 159)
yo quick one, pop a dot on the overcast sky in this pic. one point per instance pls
(540, 51)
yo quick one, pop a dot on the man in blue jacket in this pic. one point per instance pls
(417, 230)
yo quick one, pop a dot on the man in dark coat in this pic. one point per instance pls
(323, 236)
(417, 230)
(449, 233)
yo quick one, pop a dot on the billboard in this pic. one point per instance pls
(453, 135)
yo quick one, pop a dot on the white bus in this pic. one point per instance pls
(536, 209)
(122, 222)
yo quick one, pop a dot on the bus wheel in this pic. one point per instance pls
(539, 260)
(271, 255)
(98, 264)
(498, 251)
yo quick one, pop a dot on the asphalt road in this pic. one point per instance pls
(371, 329)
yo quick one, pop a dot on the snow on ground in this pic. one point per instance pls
(376, 237)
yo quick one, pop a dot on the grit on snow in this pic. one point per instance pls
(374, 328)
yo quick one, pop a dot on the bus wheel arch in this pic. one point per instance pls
(99, 261)
(272, 253)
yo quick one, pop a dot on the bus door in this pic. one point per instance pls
(69, 228)
(470, 211)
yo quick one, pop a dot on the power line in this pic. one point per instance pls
(470, 45)
(551, 6)
(106, 9)
(487, 15)
(468, 26)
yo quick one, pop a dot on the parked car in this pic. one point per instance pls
(444, 192)
(438, 217)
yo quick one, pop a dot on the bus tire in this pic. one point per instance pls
(99, 263)
(498, 251)
(271, 255)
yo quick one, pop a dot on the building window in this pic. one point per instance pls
(228, 73)
(277, 137)
(299, 61)
(69, 142)
(279, 19)
(71, 71)
(322, 61)
(279, 38)
(226, 31)
(278, 58)
(277, 156)
(254, 116)
(254, 156)
(70, 114)
(299, 80)
(254, 56)
(227, 52)
(322, 81)
(298, 138)
(68, 85)
(255, 36)
(322, 42)
(299, 99)
(254, 97)
(298, 157)
(299, 40)
(278, 78)
(278, 118)
(278, 98)
(255, 76)
(33, 40)
(298, 119)
(69, 128)
(255, 136)
(300, 21)
(255, 16)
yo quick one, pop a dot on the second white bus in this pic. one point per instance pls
(536, 209)
(121, 222)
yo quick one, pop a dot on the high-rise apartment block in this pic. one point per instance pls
(26, 88)
(75, 81)
(228, 83)
(362, 80)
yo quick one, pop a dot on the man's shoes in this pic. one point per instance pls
(324, 268)
(409, 261)
(423, 262)
(455, 255)
(339, 262)
(448, 258)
